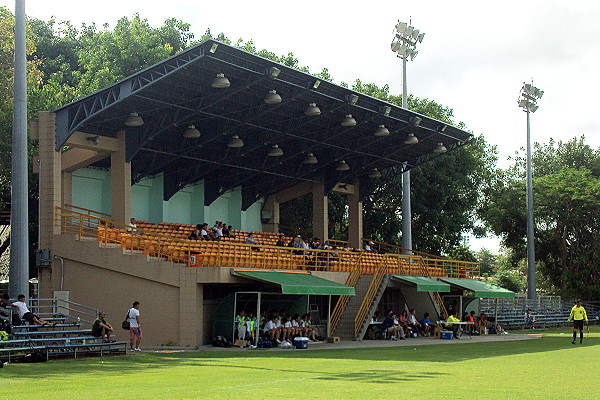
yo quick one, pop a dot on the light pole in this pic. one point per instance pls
(19, 239)
(404, 43)
(528, 98)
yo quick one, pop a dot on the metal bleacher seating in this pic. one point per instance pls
(70, 337)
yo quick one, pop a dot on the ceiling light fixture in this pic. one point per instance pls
(221, 82)
(342, 166)
(375, 173)
(272, 97)
(312, 110)
(310, 159)
(275, 151)
(416, 121)
(440, 148)
(235, 142)
(191, 132)
(411, 139)
(134, 120)
(348, 121)
(382, 131)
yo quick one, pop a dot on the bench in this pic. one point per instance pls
(49, 332)
(8, 352)
(87, 348)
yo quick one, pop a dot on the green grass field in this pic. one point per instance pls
(547, 368)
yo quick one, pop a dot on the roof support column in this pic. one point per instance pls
(320, 212)
(120, 178)
(355, 217)
(270, 214)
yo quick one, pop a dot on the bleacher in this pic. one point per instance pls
(70, 337)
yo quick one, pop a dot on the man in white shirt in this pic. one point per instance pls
(271, 330)
(135, 326)
(132, 227)
(27, 315)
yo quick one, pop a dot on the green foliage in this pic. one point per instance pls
(488, 261)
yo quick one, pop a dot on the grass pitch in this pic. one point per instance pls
(547, 368)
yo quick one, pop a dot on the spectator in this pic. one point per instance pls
(427, 325)
(481, 323)
(197, 233)
(296, 325)
(471, 328)
(530, 318)
(271, 331)
(240, 325)
(389, 326)
(218, 231)
(132, 227)
(376, 317)
(250, 240)
(403, 321)
(4, 304)
(27, 315)
(230, 231)
(413, 323)
(102, 328)
(135, 326)
(250, 326)
(281, 241)
(452, 325)
(369, 247)
(205, 234)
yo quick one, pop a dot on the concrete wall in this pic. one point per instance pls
(91, 188)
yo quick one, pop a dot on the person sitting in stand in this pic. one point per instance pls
(369, 247)
(205, 234)
(306, 328)
(281, 241)
(218, 231)
(250, 240)
(481, 324)
(132, 226)
(4, 304)
(413, 323)
(27, 315)
(101, 328)
(390, 327)
(403, 321)
(296, 325)
(196, 234)
(530, 318)
(271, 331)
(288, 328)
(427, 325)
(452, 318)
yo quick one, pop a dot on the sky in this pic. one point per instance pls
(474, 58)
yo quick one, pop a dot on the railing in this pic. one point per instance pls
(451, 268)
(88, 211)
(436, 296)
(342, 302)
(370, 295)
(241, 255)
(63, 307)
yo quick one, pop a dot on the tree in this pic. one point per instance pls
(566, 188)
(487, 261)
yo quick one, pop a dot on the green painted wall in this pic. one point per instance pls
(91, 189)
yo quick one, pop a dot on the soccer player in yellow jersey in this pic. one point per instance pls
(578, 314)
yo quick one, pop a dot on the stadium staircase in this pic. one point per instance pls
(71, 335)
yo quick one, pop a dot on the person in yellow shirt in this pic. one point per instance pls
(454, 327)
(578, 315)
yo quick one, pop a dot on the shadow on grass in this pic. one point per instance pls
(139, 363)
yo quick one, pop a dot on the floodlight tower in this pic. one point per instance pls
(404, 45)
(528, 98)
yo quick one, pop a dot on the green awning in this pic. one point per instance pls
(424, 284)
(480, 289)
(297, 282)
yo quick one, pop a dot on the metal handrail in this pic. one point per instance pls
(370, 295)
(89, 212)
(342, 302)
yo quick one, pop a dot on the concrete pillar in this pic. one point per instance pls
(120, 175)
(50, 179)
(190, 309)
(271, 206)
(320, 212)
(67, 188)
(355, 217)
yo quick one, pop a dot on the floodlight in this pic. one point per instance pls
(401, 27)
(342, 166)
(235, 142)
(316, 84)
(191, 132)
(533, 108)
(275, 151)
(386, 111)
(440, 148)
(134, 120)
(221, 82)
(402, 50)
(413, 55)
(273, 72)
(310, 159)
(421, 36)
(213, 48)
(523, 103)
(395, 46)
(375, 173)
(442, 128)
(312, 110)
(382, 131)
(411, 139)
(409, 30)
(528, 88)
(348, 121)
(272, 97)
(540, 94)
(352, 99)
(416, 121)
(415, 33)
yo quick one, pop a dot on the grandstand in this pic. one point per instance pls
(216, 133)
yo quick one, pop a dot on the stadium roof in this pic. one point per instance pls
(178, 92)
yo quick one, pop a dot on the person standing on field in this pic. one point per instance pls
(578, 315)
(135, 326)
